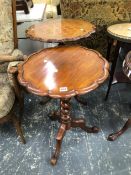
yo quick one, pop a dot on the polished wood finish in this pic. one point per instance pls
(68, 122)
(60, 30)
(63, 72)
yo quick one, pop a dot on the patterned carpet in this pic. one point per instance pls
(82, 153)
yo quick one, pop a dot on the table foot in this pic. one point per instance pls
(114, 136)
(81, 101)
(82, 124)
(54, 116)
(59, 138)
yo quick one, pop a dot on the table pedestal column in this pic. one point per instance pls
(66, 122)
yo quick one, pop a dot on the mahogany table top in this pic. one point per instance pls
(62, 72)
(60, 30)
(120, 32)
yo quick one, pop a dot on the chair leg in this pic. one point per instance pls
(21, 104)
(113, 66)
(18, 93)
(17, 125)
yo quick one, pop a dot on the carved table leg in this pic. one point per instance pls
(82, 124)
(114, 136)
(66, 123)
(59, 137)
(17, 125)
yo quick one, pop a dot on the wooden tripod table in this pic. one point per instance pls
(63, 72)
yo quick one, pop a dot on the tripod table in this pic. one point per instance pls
(64, 72)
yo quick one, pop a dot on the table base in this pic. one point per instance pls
(67, 122)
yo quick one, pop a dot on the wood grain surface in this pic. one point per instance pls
(63, 71)
(60, 30)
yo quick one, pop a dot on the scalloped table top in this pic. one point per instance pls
(62, 72)
(60, 30)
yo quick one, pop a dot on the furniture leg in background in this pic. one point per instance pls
(122, 34)
(127, 72)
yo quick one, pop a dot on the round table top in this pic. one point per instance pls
(62, 72)
(120, 32)
(60, 30)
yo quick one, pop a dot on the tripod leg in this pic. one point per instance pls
(82, 124)
(59, 138)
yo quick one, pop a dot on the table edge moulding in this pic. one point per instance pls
(41, 31)
(65, 94)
